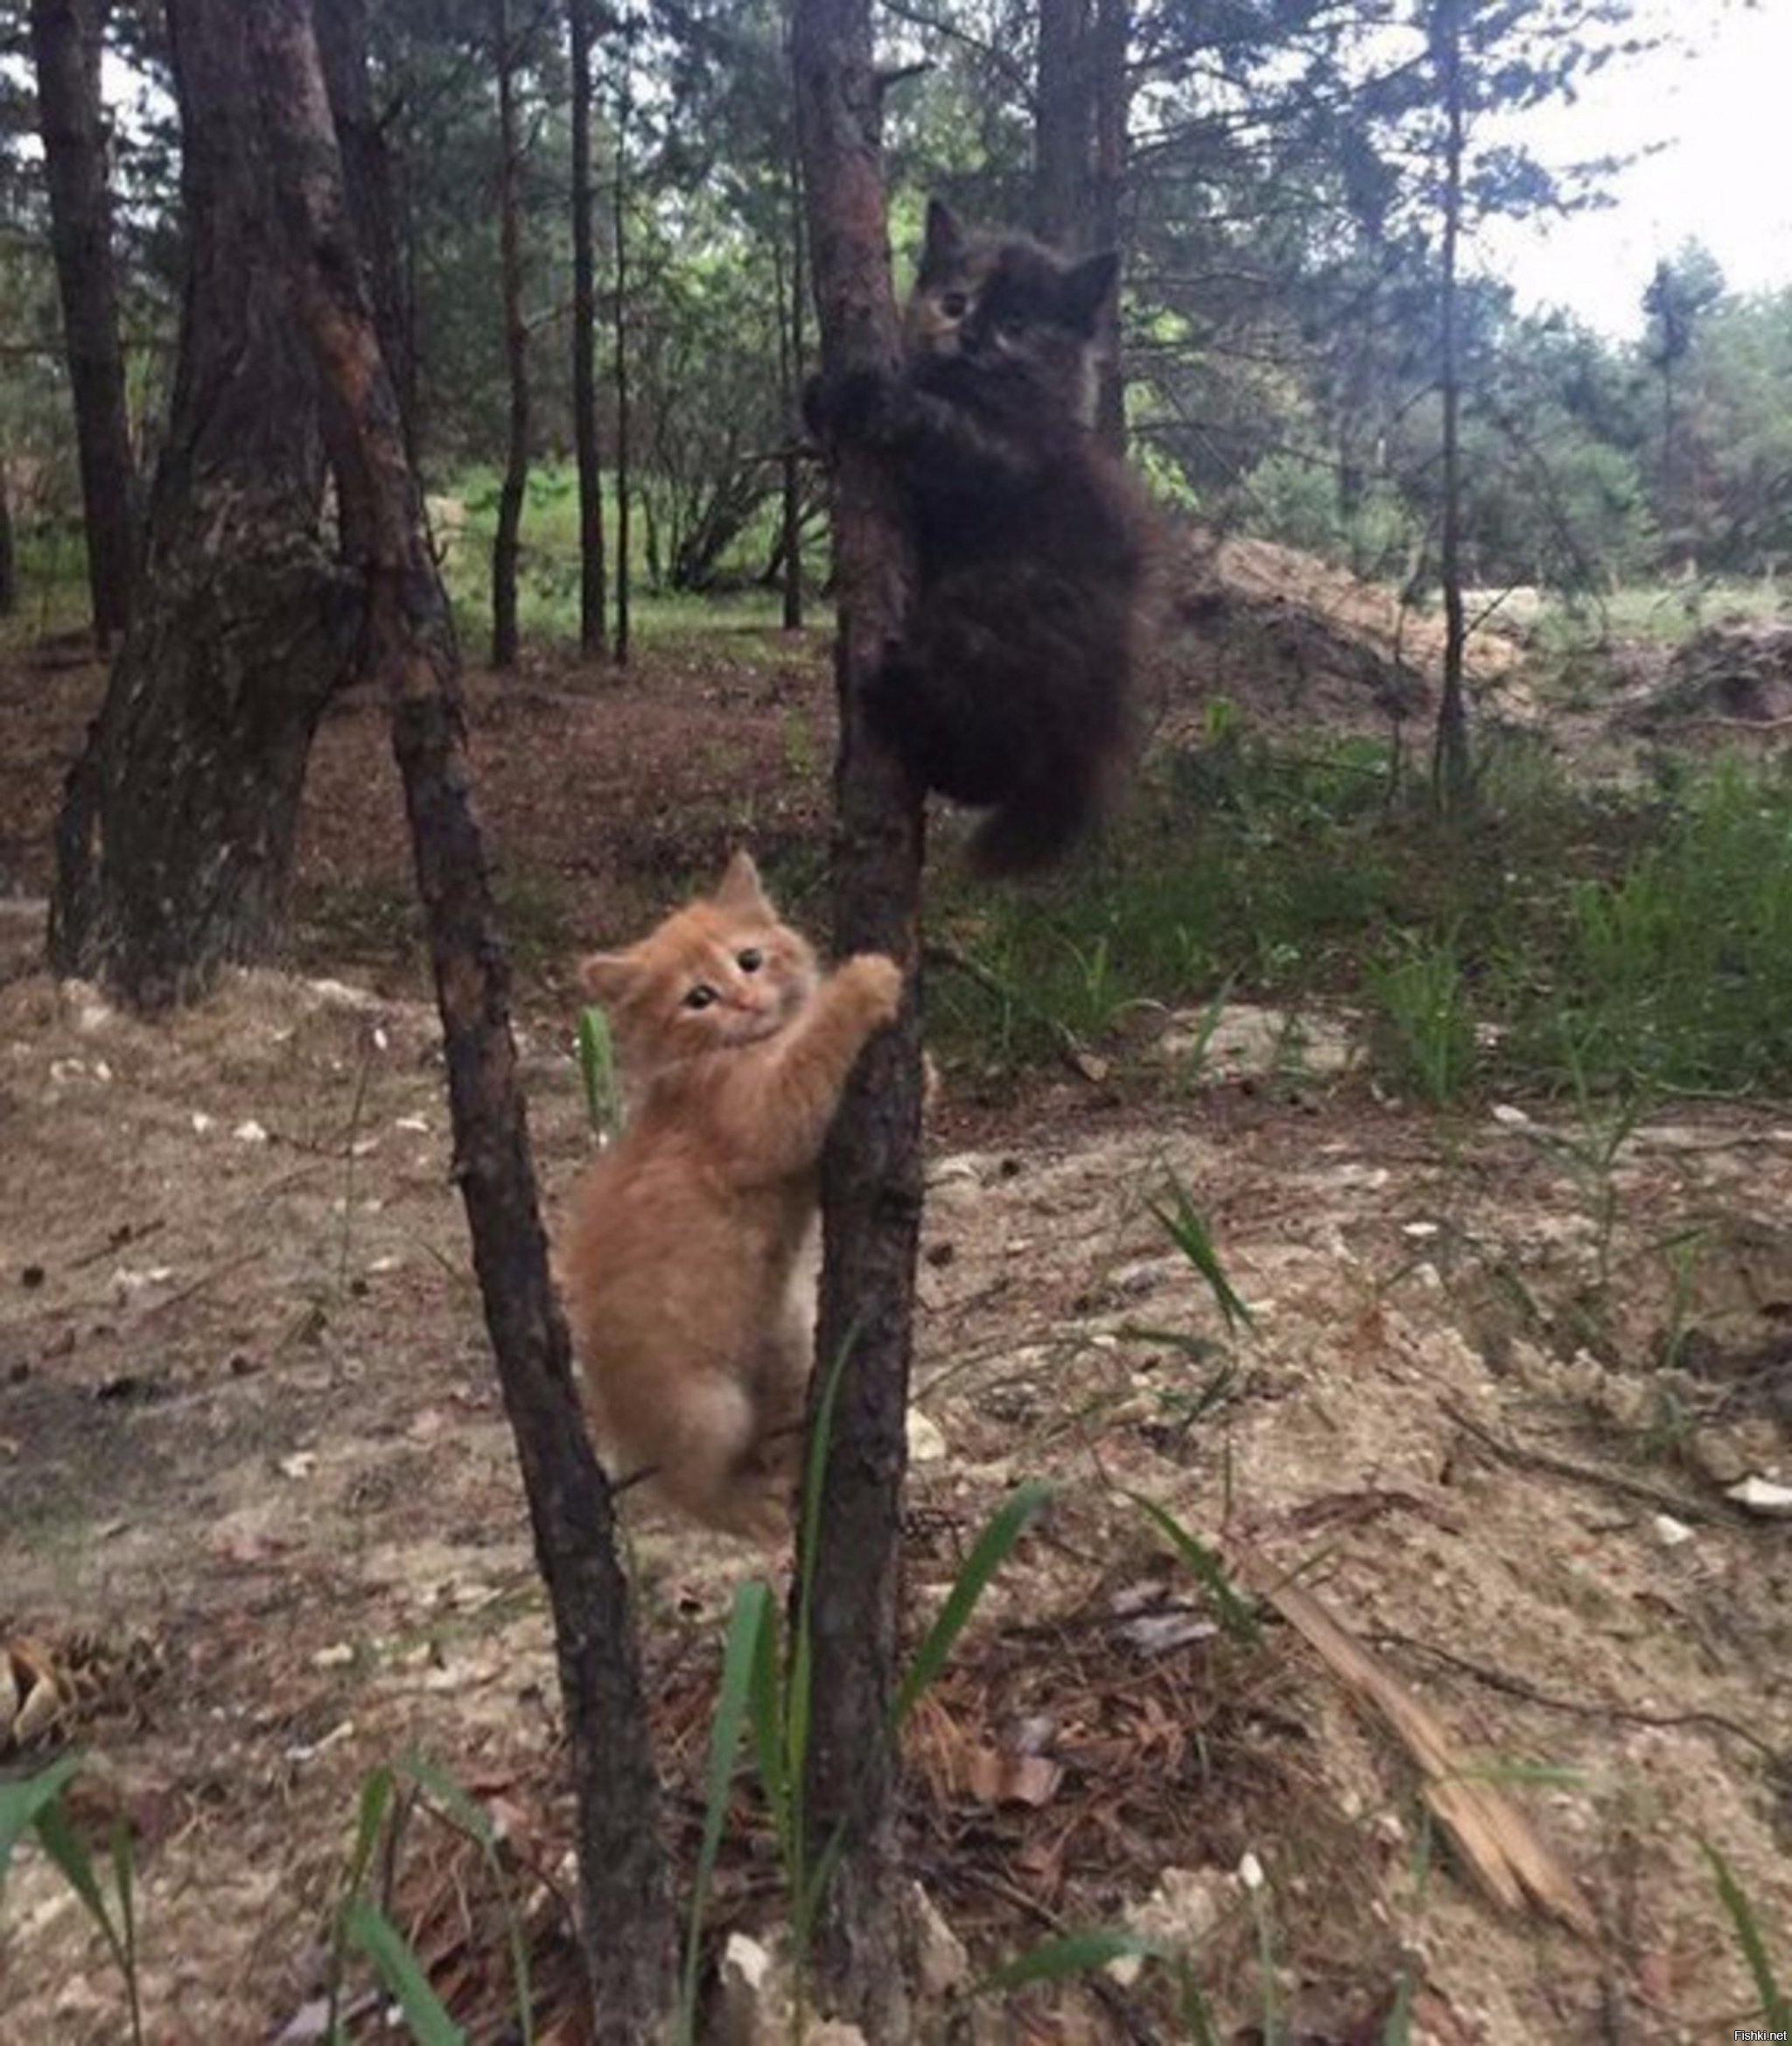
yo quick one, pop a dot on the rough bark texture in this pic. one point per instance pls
(1064, 124)
(871, 1186)
(174, 845)
(66, 44)
(585, 341)
(368, 180)
(626, 1908)
(505, 541)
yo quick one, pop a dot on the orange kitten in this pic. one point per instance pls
(691, 1295)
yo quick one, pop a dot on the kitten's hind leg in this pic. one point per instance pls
(710, 1465)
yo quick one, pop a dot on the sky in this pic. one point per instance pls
(1723, 109)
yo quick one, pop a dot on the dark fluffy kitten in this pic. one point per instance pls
(1010, 687)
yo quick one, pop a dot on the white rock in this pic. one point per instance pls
(1762, 1496)
(1669, 1532)
(925, 1443)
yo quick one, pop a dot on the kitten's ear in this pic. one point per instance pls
(607, 977)
(738, 888)
(945, 238)
(1086, 287)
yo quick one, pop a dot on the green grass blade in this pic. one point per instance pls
(1181, 1222)
(596, 1068)
(1005, 1527)
(766, 1711)
(68, 1851)
(471, 1818)
(753, 1617)
(1075, 1953)
(399, 1969)
(1775, 2006)
(22, 1801)
(1237, 1615)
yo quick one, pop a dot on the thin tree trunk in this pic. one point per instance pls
(871, 1179)
(1113, 116)
(626, 1917)
(175, 839)
(367, 177)
(788, 556)
(1450, 765)
(66, 37)
(506, 542)
(585, 342)
(9, 564)
(619, 220)
(1064, 125)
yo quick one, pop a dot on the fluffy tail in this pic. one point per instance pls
(1035, 827)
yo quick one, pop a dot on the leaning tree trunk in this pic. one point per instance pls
(505, 541)
(175, 840)
(368, 180)
(66, 38)
(585, 342)
(626, 1913)
(872, 1188)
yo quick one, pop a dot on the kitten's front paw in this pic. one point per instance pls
(878, 982)
(852, 407)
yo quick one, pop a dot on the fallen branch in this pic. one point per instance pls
(1497, 1843)
(1662, 1497)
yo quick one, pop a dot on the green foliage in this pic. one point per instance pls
(39, 1803)
(598, 1072)
(1776, 2002)
(1562, 939)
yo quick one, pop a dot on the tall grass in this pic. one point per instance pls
(1560, 938)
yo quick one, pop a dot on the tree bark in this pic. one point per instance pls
(625, 1888)
(585, 342)
(175, 839)
(367, 179)
(619, 225)
(790, 351)
(506, 540)
(66, 37)
(1451, 762)
(1063, 124)
(1113, 118)
(872, 1185)
(8, 564)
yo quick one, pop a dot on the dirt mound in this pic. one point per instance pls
(1729, 676)
(1295, 643)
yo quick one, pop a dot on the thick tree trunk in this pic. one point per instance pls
(65, 46)
(871, 1188)
(506, 541)
(625, 1889)
(174, 845)
(585, 342)
(1451, 763)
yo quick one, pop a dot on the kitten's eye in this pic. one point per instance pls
(700, 997)
(751, 960)
(954, 305)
